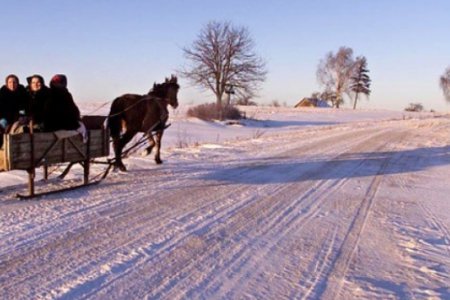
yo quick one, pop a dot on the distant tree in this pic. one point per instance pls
(315, 95)
(330, 96)
(245, 100)
(416, 107)
(445, 84)
(275, 103)
(223, 56)
(360, 80)
(334, 73)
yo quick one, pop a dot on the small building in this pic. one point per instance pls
(312, 102)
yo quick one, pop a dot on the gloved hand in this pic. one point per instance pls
(3, 123)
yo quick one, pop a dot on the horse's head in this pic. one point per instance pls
(172, 88)
(167, 91)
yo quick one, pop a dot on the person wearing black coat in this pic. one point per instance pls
(61, 112)
(39, 96)
(13, 98)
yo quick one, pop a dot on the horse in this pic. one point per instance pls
(132, 113)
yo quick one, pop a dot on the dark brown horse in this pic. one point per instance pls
(131, 113)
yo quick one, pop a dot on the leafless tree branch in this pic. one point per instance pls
(444, 82)
(334, 73)
(223, 55)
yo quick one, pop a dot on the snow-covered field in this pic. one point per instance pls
(291, 204)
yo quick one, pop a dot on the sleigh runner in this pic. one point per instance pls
(28, 151)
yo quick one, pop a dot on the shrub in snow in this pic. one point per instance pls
(245, 101)
(212, 111)
(417, 107)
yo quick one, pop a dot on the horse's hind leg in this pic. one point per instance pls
(119, 144)
(152, 144)
(158, 139)
(118, 164)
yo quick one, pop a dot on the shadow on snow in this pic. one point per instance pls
(293, 169)
(279, 124)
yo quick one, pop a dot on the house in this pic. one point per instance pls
(312, 102)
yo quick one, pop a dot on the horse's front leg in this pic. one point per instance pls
(158, 139)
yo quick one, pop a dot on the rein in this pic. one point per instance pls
(98, 108)
(144, 98)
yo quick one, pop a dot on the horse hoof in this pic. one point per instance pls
(158, 161)
(120, 167)
(146, 152)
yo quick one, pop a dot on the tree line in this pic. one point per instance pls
(223, 60)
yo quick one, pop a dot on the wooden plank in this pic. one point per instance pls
(2, 160)
(72, 149)
(43, 137)
(96, 150)
(6, 146)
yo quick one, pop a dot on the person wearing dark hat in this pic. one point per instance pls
(39, 96)
(61, 112)
(13, 99)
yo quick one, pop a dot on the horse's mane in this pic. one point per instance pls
(160, 89)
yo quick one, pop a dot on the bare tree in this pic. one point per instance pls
(360, 80)
(330, 96)
(445, 84)
(315, 95)
(327, 96)
(334, 73)
(221, 57)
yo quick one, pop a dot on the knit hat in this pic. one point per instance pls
(59, 81)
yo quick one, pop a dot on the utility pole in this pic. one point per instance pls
(229, 89)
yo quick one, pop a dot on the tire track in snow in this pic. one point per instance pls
(434, 220)
(83, 235)
(318, 266)
(51, 219)
(353, 135)
(320, 199)
(422, 242)
(65, 243)
(195, 197)
(269, 217)
(335, 279)
(440, 226)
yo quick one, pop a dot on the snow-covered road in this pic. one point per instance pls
(344, 211)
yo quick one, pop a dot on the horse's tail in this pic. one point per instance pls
(115, 118)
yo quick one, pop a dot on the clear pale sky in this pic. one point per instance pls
(107, 48)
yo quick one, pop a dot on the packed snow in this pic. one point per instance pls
(287, 204)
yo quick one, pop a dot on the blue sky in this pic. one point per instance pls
(107, 48)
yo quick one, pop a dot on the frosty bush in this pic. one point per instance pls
(212, 111)
(417, 107)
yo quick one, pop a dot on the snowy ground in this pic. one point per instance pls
(294, 204)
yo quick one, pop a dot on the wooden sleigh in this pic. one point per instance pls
(28, 151)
